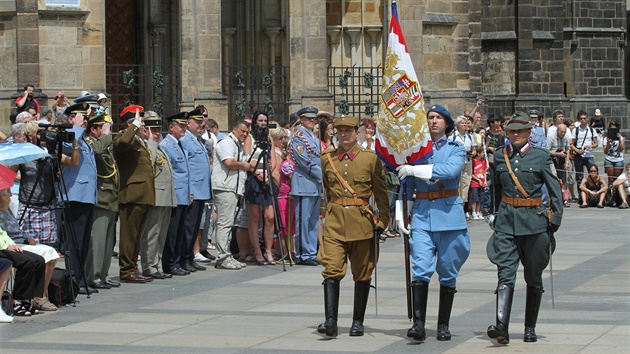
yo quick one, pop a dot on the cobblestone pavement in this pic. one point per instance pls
(266, 310)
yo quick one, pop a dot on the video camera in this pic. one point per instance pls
(261, 133)
(53, 134)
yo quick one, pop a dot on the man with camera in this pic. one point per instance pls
(26, 100)
(80, 183)
(104, 215)
(558, 146)
(584, 140)
(137, 191)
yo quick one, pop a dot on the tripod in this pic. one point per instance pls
(263, 146)
(67, 234)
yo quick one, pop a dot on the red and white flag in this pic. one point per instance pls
(402, 133)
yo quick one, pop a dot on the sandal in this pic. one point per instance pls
(260, 263)
(270, 260)
(20, 310)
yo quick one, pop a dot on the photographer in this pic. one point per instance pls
(558, 146)
(259, 192)
(79, 181)
(584, 140)
(37, 189)
(614, 148)
(60, 105)
(462, 138)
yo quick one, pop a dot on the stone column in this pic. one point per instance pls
(354, 34)
(308, 56)
(334, 38)
(27, 21)
(373, 32)
(201, 56)
(272, 34)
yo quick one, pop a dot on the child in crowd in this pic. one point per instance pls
(478, 182)
(566, 195)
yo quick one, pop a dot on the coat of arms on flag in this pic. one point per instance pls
(402, 133)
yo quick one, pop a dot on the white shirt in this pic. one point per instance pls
(626, 184)
(584, 137)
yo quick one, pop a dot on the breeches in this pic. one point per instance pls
(333, 254)
(441, 251)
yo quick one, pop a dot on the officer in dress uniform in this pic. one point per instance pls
(439, 239)
(523, 227)
(199, 173)
(350, 222)
(175, 236)
(104, 214)
(156, 226)
(306, 185)
(137, 191)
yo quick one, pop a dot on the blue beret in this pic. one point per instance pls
(450, 125)
(308, 112)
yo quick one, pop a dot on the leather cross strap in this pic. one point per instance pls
(516, 182)
(356, 201)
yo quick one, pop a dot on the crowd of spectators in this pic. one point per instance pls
(179, 195)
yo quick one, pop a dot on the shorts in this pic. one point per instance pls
(477, 195)
(618, 164)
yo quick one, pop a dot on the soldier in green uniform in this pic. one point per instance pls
(351, 176)
(524, 227)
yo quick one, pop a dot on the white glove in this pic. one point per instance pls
(423, 172)
(402, 229)
(400, 216)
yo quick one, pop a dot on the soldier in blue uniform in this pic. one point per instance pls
(306, 185)
(175, 236)
(199, 184)
(439, 239)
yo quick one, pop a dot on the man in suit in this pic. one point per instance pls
(104, 217)
(137, 191)
(171, 258)
(80, 183)
(199, 185)
(159, 216)
(439, 239)
(306, 185)
(523, 230)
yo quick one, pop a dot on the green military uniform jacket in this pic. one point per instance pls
(137, 182)
(532, 167)
(364, 173)
(107, 172)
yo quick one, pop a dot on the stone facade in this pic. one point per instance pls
(542, 54)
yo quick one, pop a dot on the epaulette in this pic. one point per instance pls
(451, 142)
(298, 133)
(328, 150)
(368, 151)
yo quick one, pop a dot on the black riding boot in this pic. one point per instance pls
(444, 314)
(532, 305)
(505, 293)
(331, 307)
(361, 294)
(419, 295)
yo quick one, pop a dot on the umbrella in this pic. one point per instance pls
(16, 154)
(7, 176)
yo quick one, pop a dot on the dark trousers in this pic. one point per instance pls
(132, 217)
(78, 242)
(191, 229)
(29, 277)
(581, 162)
(174, 238)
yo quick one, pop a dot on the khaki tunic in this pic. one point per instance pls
(349, 230)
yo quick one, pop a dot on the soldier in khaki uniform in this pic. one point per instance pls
(350, 222)
(137, 191)
(521, 231)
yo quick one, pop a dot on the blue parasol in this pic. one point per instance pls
(19, 153)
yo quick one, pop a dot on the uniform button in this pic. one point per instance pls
(516, 169)
(345, 173)
(346, 157)
(345, 191)
(515, 161)
(346, 165)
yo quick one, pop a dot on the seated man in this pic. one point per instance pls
(622, 183)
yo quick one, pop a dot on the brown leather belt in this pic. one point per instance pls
(346, 201)
(433, 195)
(521, 202)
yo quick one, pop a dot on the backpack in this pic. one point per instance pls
(63, 287)
(612, 197)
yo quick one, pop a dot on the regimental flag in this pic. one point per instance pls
(402, 133)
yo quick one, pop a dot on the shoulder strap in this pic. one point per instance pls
(516, 182)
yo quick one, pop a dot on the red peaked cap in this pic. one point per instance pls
(130, 112)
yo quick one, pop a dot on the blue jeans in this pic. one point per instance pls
(581, 162)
